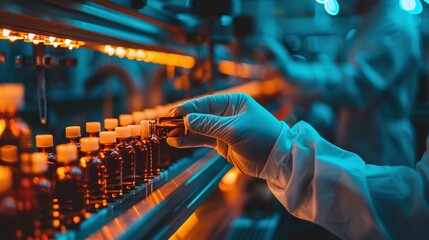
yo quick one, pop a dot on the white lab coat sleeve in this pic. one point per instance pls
(319, 182)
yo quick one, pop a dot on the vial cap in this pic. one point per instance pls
(150, 114)
(39, 162)
(145, 128)
(5, 179)
(110, 123)
(92, 127)
(12, 95)
(125, 119)
(123, 132)
(89, 144)
(135, 130)
(107, 137)
(138, 116)
(73, 131)
(9, 153)
(44, 140)
(66, 153)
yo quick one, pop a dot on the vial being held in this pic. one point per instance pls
(69, 202)
(110, 156)
(127, 152)
(94, 175)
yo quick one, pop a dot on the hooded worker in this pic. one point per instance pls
(372, 85)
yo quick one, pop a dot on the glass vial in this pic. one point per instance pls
(110, 124)
(170, 126)
(13, 129)
(7, 204)
(93, 129)
(127, 152)
(110, 156)
(94, 175)
(34, 200)
(69, 202)
(141, 153)
(9, 157)
(153, 147)
(125, 120)
(73, 134)
(45, 144)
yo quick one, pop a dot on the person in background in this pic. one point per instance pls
(313, 179)
(372, 87)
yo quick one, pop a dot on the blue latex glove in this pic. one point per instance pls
(240, 129)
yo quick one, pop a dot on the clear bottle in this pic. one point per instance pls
(13, 129)
(69, 202)
(110, 156)
(9, 157)
(34, 200)
(110, 124)
(93, 129)
(140, 148)
(45, 144)
(8, 217)
(127, 152)
(94, 175)
(73, 134)
(153, 147)
(125, 120)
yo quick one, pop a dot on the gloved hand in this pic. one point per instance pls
(240, 129)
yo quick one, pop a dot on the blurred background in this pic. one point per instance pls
(101, 58)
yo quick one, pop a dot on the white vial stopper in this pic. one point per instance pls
(135, 130)
(138, 116)
(5, 179)
(73, 132)
(39, 163)
(125, 120)
(107, 137)
(92, 127)
(89, 144)
(44, 140)
(123, 132)
(9, 153)
(66, 153)
(110, 123)
(145, 128)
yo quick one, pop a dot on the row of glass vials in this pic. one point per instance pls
(53, 191)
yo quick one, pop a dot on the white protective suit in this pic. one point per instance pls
(321, 183)
(374, 87)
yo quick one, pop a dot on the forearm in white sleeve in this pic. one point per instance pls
(321, 183)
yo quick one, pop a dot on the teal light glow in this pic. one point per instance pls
(332, 7)
(324, 1)
(412, 6)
